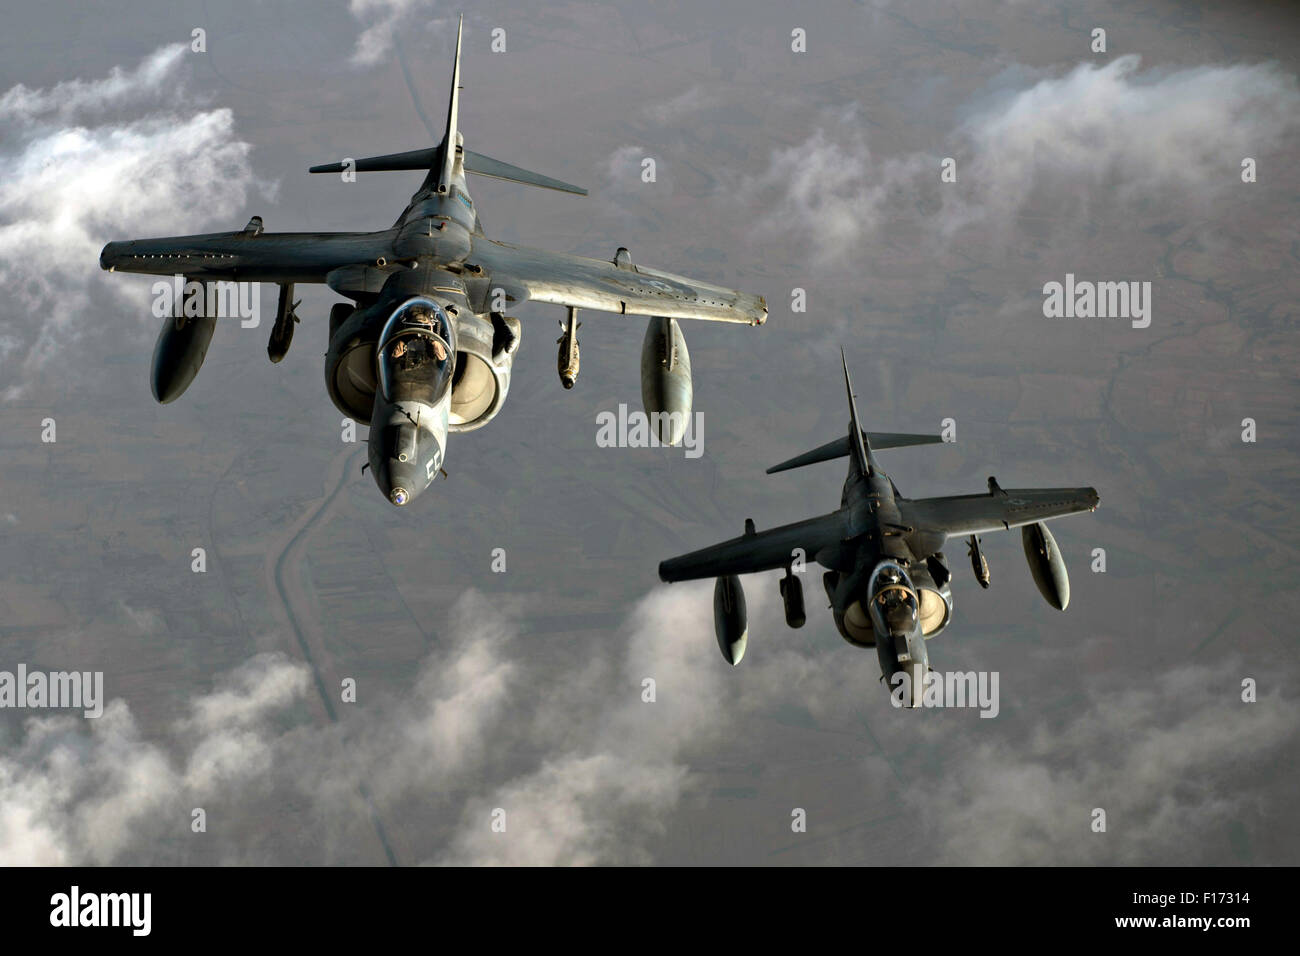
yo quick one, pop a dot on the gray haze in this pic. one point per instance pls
(522, 691)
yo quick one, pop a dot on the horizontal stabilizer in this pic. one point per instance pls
(474, 163)
(487, 166)
(412, 159)
(840, 447)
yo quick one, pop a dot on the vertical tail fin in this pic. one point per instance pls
(857, 442)
(440, 160)
(451, 137)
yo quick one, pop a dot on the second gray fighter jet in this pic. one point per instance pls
(887, 579)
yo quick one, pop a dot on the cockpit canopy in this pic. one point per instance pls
(894, 605)
(416, 353)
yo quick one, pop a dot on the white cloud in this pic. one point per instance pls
(1172, 763)
(385, 17)
(88, 791)
(827, 193)
(141, 620)
(579, 810)
(616, 768)
(608, 768)
(95, 791)
(267, 682)
(66, 797)
(1112, 132)
(589, 773)
(65, 100)
(623, 168)
(74, 181)
(613, 766)
(694, 100)
(227, 725)
(461, 697)
(1099, 134)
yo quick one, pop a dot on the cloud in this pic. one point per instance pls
(577, 811)
(461, 698)
(88, 791)
(1112, 132)
(588, 772)
(694, 100)
(611, 781)
(601, 774)
(265, 683)
(1171, 760)
(385, 17)
(827, 193)
(66, 799)
(623, 168)
(66, 100)
(74, 180)
(96, 791)
(227, 725)
(140, 620)
(1097, 135)
(615, 769)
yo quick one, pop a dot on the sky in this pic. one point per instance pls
(500, 716)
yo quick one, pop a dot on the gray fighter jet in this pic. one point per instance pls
(425, 347)
(887, 579)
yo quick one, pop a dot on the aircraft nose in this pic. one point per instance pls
(397, 481)
(404, 460)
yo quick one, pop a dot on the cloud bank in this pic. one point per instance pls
(1099, 134)
(384, 18)
(76, 179)
(581, 769)
(1173, 763)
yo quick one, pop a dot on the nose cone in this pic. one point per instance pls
(404, 459)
